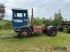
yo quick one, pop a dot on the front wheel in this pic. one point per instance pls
(24, 33)
(52, 31)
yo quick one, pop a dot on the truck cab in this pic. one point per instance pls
(20, 18)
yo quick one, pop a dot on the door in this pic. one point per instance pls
(19, 20)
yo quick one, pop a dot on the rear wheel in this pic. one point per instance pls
(52, 31)
(24, 33)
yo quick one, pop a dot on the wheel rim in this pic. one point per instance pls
(53, 33)
(24, 33)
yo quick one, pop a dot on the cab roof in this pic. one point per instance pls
(18, 9)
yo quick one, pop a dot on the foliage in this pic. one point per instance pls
(38, 22)
(5, 24)
(2, 11)
(58, 19)
(55, 22)
(47, 22)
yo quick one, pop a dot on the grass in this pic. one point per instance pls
(41, 43)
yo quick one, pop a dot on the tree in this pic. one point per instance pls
(47, 22)
(38, 21)
(58, 18)
(2, 11)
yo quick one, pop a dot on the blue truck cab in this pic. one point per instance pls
(19, 18)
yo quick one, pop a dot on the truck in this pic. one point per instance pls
(25, 29)
(64, 25)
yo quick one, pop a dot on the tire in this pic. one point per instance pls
(68, 29)
(52, 31)
(24, 33)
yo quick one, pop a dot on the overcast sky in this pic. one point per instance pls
(42, 8)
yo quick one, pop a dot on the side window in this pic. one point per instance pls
(19, 14)
(24, 14)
